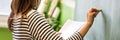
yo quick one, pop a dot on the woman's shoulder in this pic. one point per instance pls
(34, 13)
(30, 12)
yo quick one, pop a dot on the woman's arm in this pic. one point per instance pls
(40, 29)
(91, 14)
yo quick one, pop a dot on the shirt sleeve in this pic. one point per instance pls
(40, 29)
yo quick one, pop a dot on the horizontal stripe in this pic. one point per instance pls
(35, 27)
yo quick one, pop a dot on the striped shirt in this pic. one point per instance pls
(35, 27)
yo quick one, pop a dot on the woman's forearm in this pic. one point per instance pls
(85, 29)
(91, 14)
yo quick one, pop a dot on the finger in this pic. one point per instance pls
(95, 10)
(96, 14)
(59, 33)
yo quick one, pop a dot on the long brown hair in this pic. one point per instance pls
(21, 7)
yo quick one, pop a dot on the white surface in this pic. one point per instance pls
(70, 27)
(5, 7)
(70, 3)
(42, 6)
(3, 20)
(56, 12)
(107, 23)
(4, 13)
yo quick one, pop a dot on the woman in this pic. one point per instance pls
(27, 24)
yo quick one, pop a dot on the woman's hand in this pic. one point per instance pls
(59, 33)
(91, 14)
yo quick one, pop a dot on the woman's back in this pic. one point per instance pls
(35, 27)
(21, 31)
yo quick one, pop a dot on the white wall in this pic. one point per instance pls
(4, 12)
(5, 7)
(107, 24)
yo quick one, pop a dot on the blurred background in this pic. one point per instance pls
(5, 34)
(57, 12)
